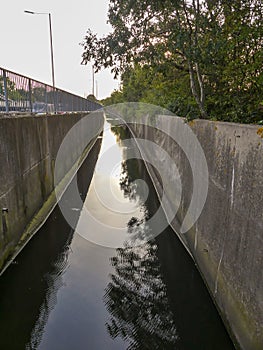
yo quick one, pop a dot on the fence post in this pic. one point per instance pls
(6, 92)
(54, 95)
(56, 101)
(30, 95)
(46, 97)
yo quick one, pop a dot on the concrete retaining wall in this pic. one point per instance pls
(28, 149)
(227, 240)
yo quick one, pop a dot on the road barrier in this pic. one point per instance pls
(19, 93)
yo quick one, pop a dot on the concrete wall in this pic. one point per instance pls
(28, 149)
(227, 240)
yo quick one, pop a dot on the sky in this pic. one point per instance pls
(25, 45)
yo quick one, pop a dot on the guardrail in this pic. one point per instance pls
(19, 93)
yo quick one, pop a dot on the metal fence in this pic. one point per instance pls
(22, 94)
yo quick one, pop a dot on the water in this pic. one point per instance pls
(76, 291)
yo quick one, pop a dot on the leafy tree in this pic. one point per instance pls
(39, 94)
(161, 85)
(234, 64)
(149, 32)
(10, 86)
(13, 93)
(217, 44)
(116, 97)
(91, 97)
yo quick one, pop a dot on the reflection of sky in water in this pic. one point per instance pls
(107, 210)
(110, 158)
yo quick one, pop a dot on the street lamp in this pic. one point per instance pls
(51, 43)
(93, 81)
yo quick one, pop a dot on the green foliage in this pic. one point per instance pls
(116, 97)
(91, 97)
(196, 58)
(13, 92)
(234, 71)
(10, 88)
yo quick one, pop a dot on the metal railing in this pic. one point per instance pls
(22, 94)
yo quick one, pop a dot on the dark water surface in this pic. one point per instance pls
(75, 291)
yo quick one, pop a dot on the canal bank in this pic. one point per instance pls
(28, 148)
(226, 240)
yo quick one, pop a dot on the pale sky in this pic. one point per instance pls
(25, 45)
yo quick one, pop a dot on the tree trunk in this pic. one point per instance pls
(199, 99)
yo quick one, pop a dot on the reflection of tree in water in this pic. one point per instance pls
(125, 181)
(130, 167)
(53, 280)
(136, 297)
(120, 130)
(137, 301)
(127, 184)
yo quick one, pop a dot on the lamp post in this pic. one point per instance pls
(51, 42)
(93, 81)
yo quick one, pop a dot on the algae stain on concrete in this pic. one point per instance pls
(260, 132)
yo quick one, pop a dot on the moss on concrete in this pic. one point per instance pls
(260, 132)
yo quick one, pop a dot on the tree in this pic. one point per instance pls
(13, 92)
(217, 43)
(91, 97)
(234, 69)
(115, 97)
(162, 85)
(150, 32)
(9, 84)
